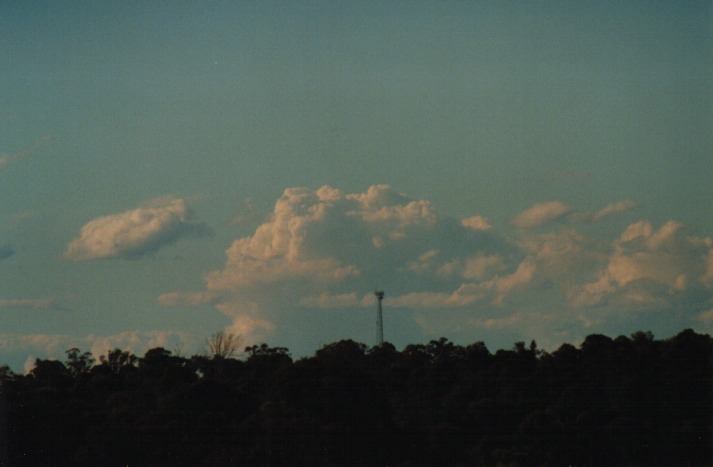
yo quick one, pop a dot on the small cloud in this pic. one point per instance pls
(540, 214)
(706, 317)
(35, 303)
(29, 364)
(5, 161)
(607, 211)
(8, 159)
(183, 298)
(247, 214)
(135, 233)
(326, 300)
(6, 251)
(613, 208)
(476, 223)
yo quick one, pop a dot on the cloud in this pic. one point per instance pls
(613, 208)
(36, 303)
(5, 161)
(248, 214)
(325, 300)
(18, 348)
(540, 214)
(8, 159)
(325, 249)
(6, 251)
(135, 233)
(306, 275)
(476, 223)
(650, 266)
(607, 211)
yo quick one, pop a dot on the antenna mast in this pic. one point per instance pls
(379, 320)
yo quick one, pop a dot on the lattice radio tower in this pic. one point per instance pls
(379, 318)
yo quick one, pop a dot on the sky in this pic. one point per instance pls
(504, 171)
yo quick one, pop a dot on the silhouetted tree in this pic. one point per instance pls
(117, 359)
(78, 363)
(223, 344)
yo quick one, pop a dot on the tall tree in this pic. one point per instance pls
(223, 344)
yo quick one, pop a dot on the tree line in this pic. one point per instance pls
(630, 400)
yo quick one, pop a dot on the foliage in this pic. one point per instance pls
(625, 401)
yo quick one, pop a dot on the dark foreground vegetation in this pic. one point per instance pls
(625, 401)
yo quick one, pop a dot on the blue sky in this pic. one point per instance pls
(504, 170)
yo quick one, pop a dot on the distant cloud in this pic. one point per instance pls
(325, 300)
(614, 208)
(607, 211)
(135, 233)
(29, 303)
(248, 213)
(6, 251)
(25, 347)
(476, 223)
(540, 214)
(5, 161)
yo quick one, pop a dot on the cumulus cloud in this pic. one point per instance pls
(650, 266)
(307, 273)
(325, 249)
(540, 214)
(135, 233)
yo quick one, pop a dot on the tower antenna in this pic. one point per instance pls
(379, 318)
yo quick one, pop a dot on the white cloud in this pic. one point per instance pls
(608, 211)
(476, 223)
(613, 208)
(324, 251)
(540, 214)
(134, 233)
(649, 266)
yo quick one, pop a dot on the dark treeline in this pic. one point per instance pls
(625, 401)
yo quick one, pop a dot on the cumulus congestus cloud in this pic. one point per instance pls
(324, 251)
(328, 249)
(135, 233)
